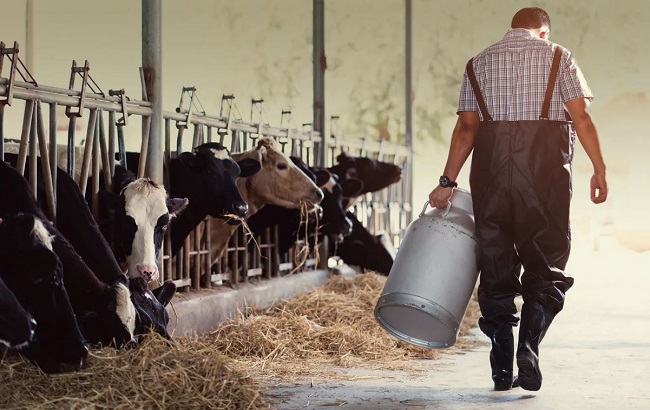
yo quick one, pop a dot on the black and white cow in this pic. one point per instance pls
(142, 212)
(150, 306)
(31, 269)
(207, 177)
(16, 324)
(102, 304)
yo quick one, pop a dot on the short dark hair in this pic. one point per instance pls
(531, 18)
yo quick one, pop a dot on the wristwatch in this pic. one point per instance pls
(445, 182)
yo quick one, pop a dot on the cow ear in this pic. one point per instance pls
(323, 176)
(249, 167)
(176, 205)
(352, 187)
(188, 159)
(165, 293)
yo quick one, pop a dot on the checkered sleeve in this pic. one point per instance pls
(572, 81)
(467, 100)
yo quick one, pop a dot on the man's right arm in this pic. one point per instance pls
(588, 136)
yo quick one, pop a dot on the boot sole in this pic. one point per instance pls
(530, 377)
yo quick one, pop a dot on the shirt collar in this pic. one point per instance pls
(518, 32)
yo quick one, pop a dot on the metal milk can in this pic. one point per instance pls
(433, 276)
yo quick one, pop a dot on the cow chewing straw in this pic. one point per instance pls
(329, 326)
(156, 374)
(301, 248)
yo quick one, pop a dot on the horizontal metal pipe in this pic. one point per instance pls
(69, 92)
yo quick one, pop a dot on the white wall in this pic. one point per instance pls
(262, 49)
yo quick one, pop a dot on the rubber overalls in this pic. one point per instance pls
(520, 181)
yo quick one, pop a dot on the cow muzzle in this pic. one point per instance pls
(148, 272)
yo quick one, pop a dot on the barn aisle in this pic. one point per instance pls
(595, 356)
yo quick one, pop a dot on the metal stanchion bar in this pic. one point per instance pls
(33, 160)
(50, 196)
(54, 159)
(144, 146)
(106, 161)
(27, 125)
(85, 166)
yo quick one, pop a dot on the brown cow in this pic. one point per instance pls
(279, 182)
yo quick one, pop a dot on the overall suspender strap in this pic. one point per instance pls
(477, 91)
(551, 83)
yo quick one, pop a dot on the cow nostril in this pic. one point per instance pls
(240, 208)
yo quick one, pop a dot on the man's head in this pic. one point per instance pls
(535, 19)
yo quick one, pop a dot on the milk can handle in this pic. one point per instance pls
(444, 214)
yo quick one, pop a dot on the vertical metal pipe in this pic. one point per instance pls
(2, 132)
(85, 165)
(24, 137)
(144, 147)
(54, 149)
(152, 70)
(111, 141)
(71, 148)
(94, 188)
(168, 153)
(319, 63)
(33, 156)
(408, 79)
(50, 197)
(106, 162)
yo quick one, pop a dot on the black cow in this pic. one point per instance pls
(97, 289)
(332, 221)
(16, 324)
(150, 305)
(365, 250)
(32, 270)
(207, 177)
(374, 174)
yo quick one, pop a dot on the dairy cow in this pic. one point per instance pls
(279, 182)
(374, 174)
(207, 177)
(332, 220)
(16, 324)
(134, 217)
(97, 289)
(31, 269)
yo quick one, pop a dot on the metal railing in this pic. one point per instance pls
(104, 145)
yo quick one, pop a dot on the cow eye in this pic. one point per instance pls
(282, 165)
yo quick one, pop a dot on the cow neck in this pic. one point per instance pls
(192, 215)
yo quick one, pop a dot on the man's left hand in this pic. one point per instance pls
(440, 197)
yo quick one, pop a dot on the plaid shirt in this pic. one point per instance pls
(512, 75)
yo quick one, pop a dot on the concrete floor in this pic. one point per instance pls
(595, 356)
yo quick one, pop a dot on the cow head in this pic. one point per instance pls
(279, 182)
(334, 222)
(375, 174)
(150, 306)
(16, 324)
(142, 216)
(212, 179)
(114, 324)
(31, 269)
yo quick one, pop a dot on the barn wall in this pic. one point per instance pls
(262, 49)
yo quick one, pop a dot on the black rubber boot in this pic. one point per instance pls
(534, 324)
(501, 357)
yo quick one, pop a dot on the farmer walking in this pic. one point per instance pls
(522, 101)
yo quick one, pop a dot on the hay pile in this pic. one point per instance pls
(156, 374)
(331, 325)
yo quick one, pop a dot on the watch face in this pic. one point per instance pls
(444, 181)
